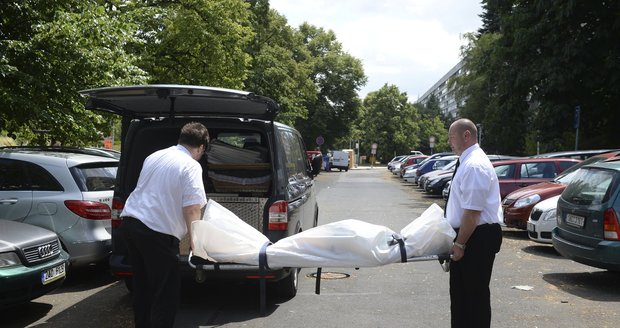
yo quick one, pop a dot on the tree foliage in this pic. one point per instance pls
(533, 63)
(281, 66)
(390, 121)
(196, 42)
(337, 77)
(48, 51)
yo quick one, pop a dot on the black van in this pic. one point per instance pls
(256, 167)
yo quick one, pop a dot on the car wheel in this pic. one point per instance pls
(287, 287)
(129, 283)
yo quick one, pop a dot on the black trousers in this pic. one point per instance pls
(156, 280)
(470, 297)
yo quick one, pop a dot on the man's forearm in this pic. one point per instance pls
(469, 222)
(190, 214)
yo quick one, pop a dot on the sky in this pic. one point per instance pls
(407, 43)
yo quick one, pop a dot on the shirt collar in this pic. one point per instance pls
(184, 150)
(468, 152)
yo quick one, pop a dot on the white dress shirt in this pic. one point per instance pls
(474, 187)
(170, 180)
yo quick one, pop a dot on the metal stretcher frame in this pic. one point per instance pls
(444, 260)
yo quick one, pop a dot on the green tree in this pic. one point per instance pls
(533, 63)
(196, 42)
(337, 77)
(48, 51)
(281, 66)
(391, 122)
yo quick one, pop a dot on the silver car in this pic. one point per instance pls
(32, 262)
(68, 193)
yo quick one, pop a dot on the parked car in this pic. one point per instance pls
(411, 160)
(448, 168)
(446, 190)
(542, 220)
(410, 173)
(65, 192)
(32, 262)
(394, 160)
(588, 230)
(313, 153)
(437, 184)
(494, 157)
(432, 165)
(268, 184)
(518, 173)
(576, 154)
(398, 164)
(518, 204)
(441, 182)
(76, 150)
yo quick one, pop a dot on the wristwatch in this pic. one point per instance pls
(461, 246)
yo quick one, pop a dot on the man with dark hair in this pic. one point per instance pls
(168, 197)
(474, 211)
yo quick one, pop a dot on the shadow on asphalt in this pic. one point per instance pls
(88, 313)
(219, 303)
(601, 286)
(543, 250)
(516, 234)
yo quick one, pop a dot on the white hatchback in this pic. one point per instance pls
(542, 220)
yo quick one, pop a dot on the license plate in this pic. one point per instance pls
(575, 220)
(531, 227)
(53, 274)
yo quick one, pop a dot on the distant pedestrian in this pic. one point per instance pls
(474, 211)
(168, 197)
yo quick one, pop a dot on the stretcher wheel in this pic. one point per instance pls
(200, 276)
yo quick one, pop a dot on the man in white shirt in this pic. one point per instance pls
(474, 211)
(168, 197)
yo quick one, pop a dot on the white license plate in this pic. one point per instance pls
(53, 274)
(531, 227)
(575, 220)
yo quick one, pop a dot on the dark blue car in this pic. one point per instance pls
(433, 164)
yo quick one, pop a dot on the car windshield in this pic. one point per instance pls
(449, 166)
(591, 187)
(567, 176)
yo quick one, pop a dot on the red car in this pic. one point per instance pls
(518, 173)
(411, 160)
(518, 204)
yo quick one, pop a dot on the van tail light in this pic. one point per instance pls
(117, 209)
(610, 225)
(278, 216)
(89, 210)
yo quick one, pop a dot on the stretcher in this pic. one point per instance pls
(223, 242)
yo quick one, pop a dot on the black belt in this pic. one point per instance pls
(481, 226)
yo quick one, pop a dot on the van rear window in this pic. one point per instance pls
(591, 186)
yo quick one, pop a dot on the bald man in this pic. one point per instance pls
(474, 211)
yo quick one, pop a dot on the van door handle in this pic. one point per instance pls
(9, 201)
